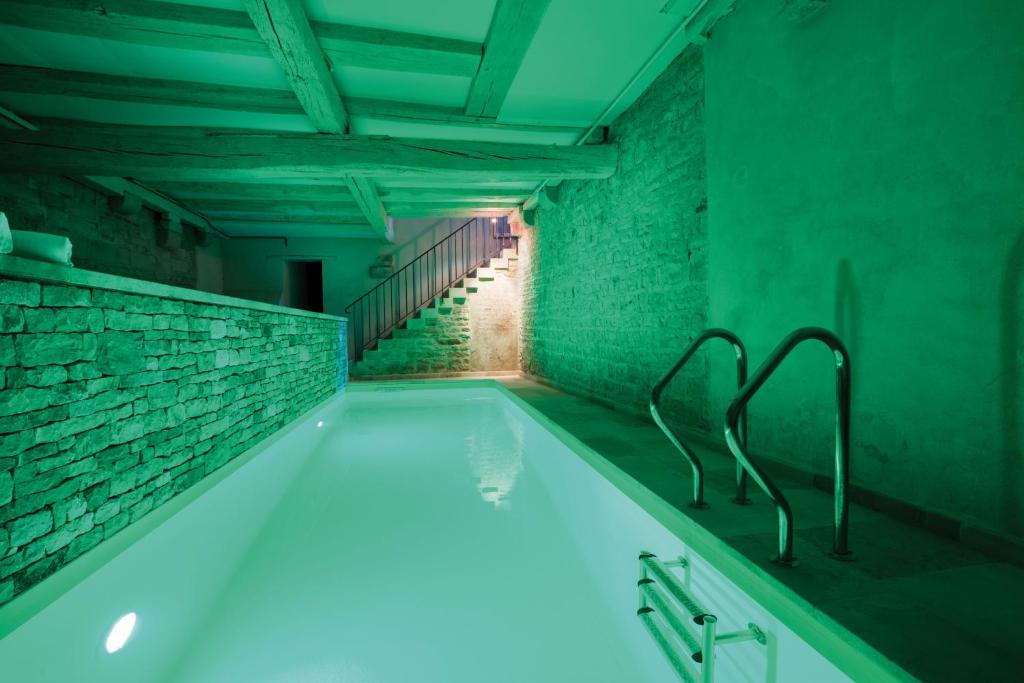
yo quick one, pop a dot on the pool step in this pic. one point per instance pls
(485, 274)
(458, 294)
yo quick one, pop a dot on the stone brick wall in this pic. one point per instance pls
(102, 239)
(614, 274)
(479, 335)
(112, 403)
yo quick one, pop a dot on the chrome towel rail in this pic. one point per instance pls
(735, 437)
(671, 630)
(741, 378)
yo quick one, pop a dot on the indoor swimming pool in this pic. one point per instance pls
(421, 533)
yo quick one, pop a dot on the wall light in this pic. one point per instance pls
(120, 632)
(494, 220)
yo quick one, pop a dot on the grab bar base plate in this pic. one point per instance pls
(848, 556)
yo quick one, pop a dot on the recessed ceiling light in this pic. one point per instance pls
(120, 632)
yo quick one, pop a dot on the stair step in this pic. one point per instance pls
(444, 305)
(426, 313)
(509, 254)
(499, 263)
(485, 274)
(457, 293)
(471, 284)
(408, 332)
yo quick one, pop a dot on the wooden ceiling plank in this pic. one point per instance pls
(230, 155)
(210, 29)
(201, 191)
(36, 80)
(408, 112)
(222, 204)
(42, 81)
(512, 29)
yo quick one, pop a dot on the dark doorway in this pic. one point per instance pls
(304, 285)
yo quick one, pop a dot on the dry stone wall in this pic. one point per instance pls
(103, 240)
(111, 403)
(615, 275)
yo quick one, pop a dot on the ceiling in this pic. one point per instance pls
(576, 59)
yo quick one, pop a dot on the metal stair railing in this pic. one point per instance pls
(438, 268)
(671, 613)
(655, 406)
(736, 439)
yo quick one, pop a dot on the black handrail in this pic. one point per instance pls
(392, 301)
(695, 464)
(840, 547)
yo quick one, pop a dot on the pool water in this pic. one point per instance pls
(429, 535)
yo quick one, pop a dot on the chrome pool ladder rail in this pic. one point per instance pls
(672, 631)
(735, 437)
(655, 407)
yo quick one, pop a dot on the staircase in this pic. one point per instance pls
(410, 319)
(430, 341)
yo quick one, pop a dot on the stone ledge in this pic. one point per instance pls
(27, 269)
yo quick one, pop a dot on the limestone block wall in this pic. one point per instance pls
(105, 240)
(614, 274)
(116, 394)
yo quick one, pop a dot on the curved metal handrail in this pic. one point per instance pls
(695, 464)
(737, 441)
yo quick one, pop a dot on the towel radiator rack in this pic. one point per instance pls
(735, 437)
(695, 464)
(672, 624)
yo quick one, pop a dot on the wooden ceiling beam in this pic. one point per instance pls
(210, 29)
(285, 28)
(459, 195)
(35, 80)
(211, 154)
(512, 29)
(121, 188)
(452, 210)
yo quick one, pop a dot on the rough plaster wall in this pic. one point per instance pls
(480, 335)
(104, 240)
(865, 174)
(614, 274)
(110, 404)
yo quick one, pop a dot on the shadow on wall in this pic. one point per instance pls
(1012, 352)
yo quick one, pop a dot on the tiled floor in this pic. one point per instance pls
(940, 610)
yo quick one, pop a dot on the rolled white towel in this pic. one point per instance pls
(42, 246)
(6, 241)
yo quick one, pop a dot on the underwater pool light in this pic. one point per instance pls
(120, 632)
(320, 423)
